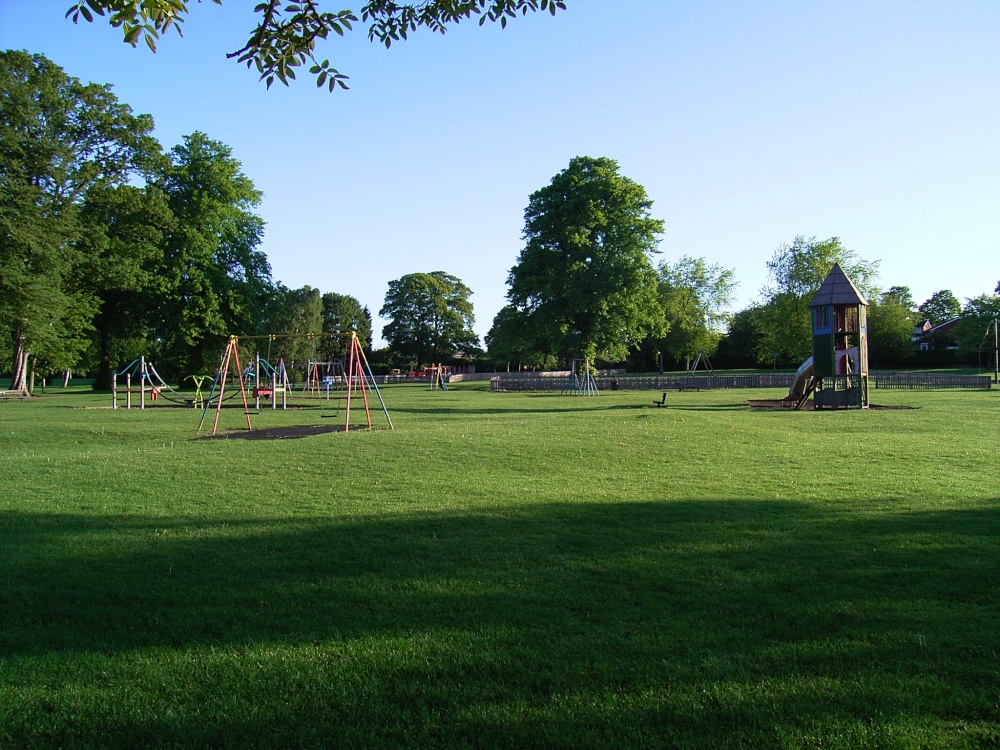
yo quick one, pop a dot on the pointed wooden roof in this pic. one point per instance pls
(837, 289)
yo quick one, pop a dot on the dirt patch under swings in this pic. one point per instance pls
(277, 433)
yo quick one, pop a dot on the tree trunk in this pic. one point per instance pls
(19, 379)
(102, 379)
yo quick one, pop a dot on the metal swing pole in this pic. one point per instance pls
(350, 382)
(375, 388)
(223, 373)
(243, 390)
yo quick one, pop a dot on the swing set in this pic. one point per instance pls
(271, 382)
(139, 377)
(581, 380)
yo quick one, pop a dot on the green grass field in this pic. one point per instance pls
(504, 571)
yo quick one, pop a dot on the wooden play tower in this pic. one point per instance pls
(840, 344)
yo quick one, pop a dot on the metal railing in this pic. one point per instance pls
(739, 380)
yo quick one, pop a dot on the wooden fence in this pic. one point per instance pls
(910, 380)
(650, 382)
(714, 381)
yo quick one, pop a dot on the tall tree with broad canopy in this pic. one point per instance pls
(890, 329)
(300, 318)
(975, 332)
(900, 295)
(287, 31)
(215, 280)
(584, 278)
(695, 296)
(430, 317)
(796, 273)
(940, 308)
(511, 341)
(59, 139)
(342, 314)
(123, 231)
(742, 344)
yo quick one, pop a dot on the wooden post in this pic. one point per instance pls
(256, 383)
(996, 351)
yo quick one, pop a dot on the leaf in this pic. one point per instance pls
(132, 34)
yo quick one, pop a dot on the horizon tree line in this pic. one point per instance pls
(111, 247)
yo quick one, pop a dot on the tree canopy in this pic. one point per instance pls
(59, 139)
(511, 341)
(124, 228)
(940, 308)
(695, 295)
(796, 272)
(584, 278)
(288, 31)
(430, 317)
(342, 314)
(976, 331)
(215, 280)
(890, 328)
(901, 295)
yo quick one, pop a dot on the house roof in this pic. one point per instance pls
(944, 327)
(837, 289)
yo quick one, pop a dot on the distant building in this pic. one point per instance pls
(942, 336)
(918, 334)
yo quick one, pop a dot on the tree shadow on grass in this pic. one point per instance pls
(700, 624)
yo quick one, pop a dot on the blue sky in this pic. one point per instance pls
(748, 123)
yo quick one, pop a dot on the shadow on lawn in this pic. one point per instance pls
(591, 624)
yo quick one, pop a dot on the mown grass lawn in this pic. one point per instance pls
(504, 570)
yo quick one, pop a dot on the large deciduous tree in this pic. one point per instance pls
(299, 318)
(288, 30)
(584, 278)
(59, 139)
(976, 331)
(742, 344)
(342, 314)
(215, 280)
(695, 296)
(900, 295)
(940, 308)
(796, 272)
(511, 341)
(430, 317)
(890, 328)
(121, 243)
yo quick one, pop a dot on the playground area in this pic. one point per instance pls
(327, 386)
